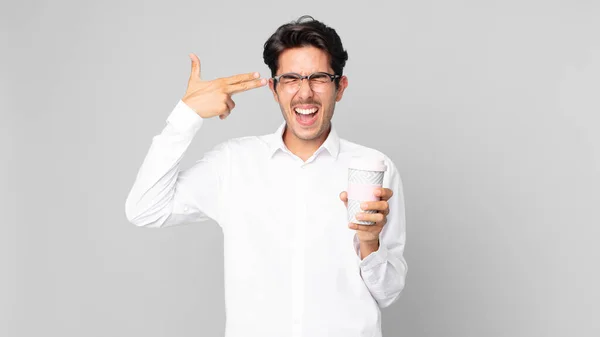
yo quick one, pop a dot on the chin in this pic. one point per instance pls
(308, 134)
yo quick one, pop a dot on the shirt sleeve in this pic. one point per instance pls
(162, 194)
(384, 271)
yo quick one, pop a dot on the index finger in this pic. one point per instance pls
(374, 205)
(241, 78)
(245, 86)
(385, 193)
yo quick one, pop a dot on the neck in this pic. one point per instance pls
(303, 149)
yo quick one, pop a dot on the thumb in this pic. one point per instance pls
(344, 198)
(195, 65)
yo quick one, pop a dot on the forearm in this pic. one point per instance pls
(383, 269)
(384, 274)
(366, 248)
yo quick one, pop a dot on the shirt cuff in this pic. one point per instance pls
(184, 119)
(374, 259)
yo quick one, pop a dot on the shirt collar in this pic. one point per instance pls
(331, 144)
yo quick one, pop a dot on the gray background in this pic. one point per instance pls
(489, 109)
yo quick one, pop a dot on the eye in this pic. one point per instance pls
(320, 78)
(288, 79)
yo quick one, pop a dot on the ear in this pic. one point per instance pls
(272, 87)
(342, 87)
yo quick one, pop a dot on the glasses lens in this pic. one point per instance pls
(289, 79)
(319, 81)
(320, 78)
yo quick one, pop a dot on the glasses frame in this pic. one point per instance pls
(333, 77)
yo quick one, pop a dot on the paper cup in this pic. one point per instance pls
(365, 175)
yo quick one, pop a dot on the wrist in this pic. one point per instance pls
(368, 247)
(369, 244)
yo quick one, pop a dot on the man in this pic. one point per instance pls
(294, 266)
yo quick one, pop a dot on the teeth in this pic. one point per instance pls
(306, 111)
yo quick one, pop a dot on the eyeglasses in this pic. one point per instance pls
(318, 82)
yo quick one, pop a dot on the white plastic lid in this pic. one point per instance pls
(367, 164)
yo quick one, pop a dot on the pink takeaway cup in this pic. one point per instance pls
(365, 174)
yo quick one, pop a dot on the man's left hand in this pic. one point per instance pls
(369, 234)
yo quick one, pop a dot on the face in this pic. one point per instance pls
(305, 128)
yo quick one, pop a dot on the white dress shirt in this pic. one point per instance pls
(292, 265)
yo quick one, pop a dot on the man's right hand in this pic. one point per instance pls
(212, 98)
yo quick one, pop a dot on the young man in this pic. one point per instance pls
(294, 266)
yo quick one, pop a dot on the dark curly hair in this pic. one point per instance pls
(305, 32)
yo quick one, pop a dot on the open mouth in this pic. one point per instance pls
(306, 116)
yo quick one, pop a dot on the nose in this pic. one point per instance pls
(304, 91)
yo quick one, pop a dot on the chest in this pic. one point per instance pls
(278, 202)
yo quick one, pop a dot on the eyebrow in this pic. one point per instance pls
(316, 71)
